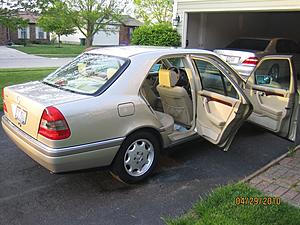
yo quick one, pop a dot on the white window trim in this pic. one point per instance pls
(37, 30)
(20, 33)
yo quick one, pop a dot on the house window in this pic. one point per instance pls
(40, 34)
(23, 33)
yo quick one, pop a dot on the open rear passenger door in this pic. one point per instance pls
(272, 90)
(222, 106)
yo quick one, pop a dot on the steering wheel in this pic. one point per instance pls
(175, 69)
(274, 72)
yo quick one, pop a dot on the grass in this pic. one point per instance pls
(291, 150)
(220, 208)
(17, 76)
(51, 50)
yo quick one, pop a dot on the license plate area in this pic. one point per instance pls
(232, 59)
(20, 115)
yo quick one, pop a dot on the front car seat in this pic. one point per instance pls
(175, 100)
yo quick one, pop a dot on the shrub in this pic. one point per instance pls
(162, 34)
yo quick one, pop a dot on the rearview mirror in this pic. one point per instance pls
(263, 79)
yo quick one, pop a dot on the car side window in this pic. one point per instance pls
(155, 68)
(273, 73)
(177, 62)
(287, 46)
(212, 79)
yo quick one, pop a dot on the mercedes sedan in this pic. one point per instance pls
(119, 107)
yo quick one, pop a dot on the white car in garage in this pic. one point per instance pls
(243, 54)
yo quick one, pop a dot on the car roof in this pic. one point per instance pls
(129, 51)
(265, 38)
(256, 38)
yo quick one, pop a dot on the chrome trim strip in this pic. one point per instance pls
(183, 140)
(54, 152)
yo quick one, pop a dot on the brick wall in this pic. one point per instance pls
(32, 36)
(14, 36)
(124, 35)
(3, 35)
(32, 32)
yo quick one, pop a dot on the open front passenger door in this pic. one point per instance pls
(222, 106)
(272, 90)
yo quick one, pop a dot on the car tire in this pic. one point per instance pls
(136, 158)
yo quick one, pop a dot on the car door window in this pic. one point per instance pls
(273, 73)
(212, 79)
(287, 47)
(177, 62)
(155, 68)
(294, 48)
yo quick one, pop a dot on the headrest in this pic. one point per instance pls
(167, 78)
(110, 72)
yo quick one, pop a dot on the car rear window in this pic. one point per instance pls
(249, 44)
(86, 74)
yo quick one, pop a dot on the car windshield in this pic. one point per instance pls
(86, 74)
(249, 44)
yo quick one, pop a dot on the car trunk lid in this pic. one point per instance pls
(235, 57)
(26, 102)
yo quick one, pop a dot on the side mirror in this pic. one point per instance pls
(263, 79)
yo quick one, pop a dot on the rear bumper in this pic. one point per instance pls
(63, 159)
(243, 70)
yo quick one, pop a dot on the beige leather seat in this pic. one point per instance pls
(148, 93)
(166, 121)
(175, 100)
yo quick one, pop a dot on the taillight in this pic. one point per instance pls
(251, 61)
(4, 105)
(53, 124)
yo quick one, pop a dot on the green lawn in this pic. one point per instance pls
(17, 76)
(220, 208)
(67, 50)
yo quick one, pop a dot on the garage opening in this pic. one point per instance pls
(217, 30)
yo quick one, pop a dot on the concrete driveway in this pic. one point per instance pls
(29, 194)
(12, 58)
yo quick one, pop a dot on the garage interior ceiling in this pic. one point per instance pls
(216, 30)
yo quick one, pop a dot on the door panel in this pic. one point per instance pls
(222, 106)
(219, 110)
(273, 94)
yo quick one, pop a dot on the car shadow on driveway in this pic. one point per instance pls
(29, 194)
(197, 159)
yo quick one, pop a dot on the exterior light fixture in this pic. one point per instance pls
(176, 20)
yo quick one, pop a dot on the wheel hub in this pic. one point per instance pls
(139, 157)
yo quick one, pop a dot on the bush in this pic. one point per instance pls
(162, 34)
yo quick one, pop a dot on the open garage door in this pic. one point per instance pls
(211, 30)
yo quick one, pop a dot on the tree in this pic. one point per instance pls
(9, 14)
(55, 19)
(151, 11)
(90, 16)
